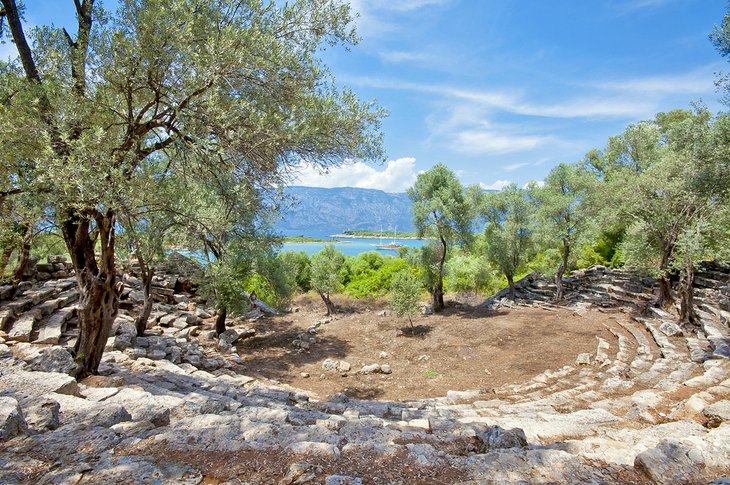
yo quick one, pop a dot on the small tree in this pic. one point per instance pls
(404, 292)
(442, 211)
(326, 266)
(562, 215)
(509, 231)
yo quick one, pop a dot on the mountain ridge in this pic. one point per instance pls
(318, 210)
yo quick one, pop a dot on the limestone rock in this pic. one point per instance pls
(497, 437)
(43, 415)
(230, 336)
(670, 329)
(670, 461)
(717, 413)
(26, 386)
(55, 359)
(376, 369)
(584, 359)
(12, 423)
(342, 480)
(336, 365)
(301, 472)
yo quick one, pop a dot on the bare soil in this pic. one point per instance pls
(462, 348)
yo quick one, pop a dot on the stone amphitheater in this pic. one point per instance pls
(650, 405)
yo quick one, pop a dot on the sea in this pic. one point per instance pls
(351, 247)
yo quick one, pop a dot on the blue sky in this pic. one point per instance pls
(502, 90)
(505, 90)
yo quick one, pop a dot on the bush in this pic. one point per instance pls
(405, 291)
(373, 280)
(298, 264)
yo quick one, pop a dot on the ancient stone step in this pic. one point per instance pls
(22, 327)
(6, 315)
(50, 329)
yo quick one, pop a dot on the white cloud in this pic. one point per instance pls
(535, 183)
(496, 185)
(482, 142)
(397, 176)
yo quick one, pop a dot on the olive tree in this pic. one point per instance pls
(672, 191)
(563, 217)
(405, 289)
(442, 211)
(236, 85)
(325, 274)
(509, 231)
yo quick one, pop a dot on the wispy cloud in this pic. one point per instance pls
(597, 105)
(375, 16)
(397, 176)
(698, 81)
(492, 142)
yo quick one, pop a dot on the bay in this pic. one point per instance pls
(352, 247)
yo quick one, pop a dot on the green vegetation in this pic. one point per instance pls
(304, 239)
(405, 291)
(376, 234)
(443, 212)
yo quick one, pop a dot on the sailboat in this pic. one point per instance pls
(391, 245)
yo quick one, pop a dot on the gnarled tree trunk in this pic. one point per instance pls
(220, 321)
(5, 259)
(665, 300)
(438, 288)
(511, 284)
(559, 289)
(24, 255)
(328, 303)
(687, 314)
(99, 298)
(141, 322)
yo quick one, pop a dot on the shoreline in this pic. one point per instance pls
(352, 236)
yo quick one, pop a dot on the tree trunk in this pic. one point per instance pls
(141, 322)
(511, 283)
(438, 289)
(665, 299)
(220, 321)
(99, 298)
(687, 313)
(328, 303)
(559, 289)
(24, 255)
(4, 260)
(665, 292)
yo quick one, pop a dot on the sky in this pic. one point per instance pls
(501, 91)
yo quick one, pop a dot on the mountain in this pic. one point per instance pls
(318, 211)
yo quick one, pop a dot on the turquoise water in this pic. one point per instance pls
(353, 247)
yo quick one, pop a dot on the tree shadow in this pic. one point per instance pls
(415, 331)
(364, 393)
(273, 355)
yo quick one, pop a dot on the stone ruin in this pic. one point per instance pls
(650, 405)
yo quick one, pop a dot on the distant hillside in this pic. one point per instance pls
(324, 211)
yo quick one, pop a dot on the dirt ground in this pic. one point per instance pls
(462, 348)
